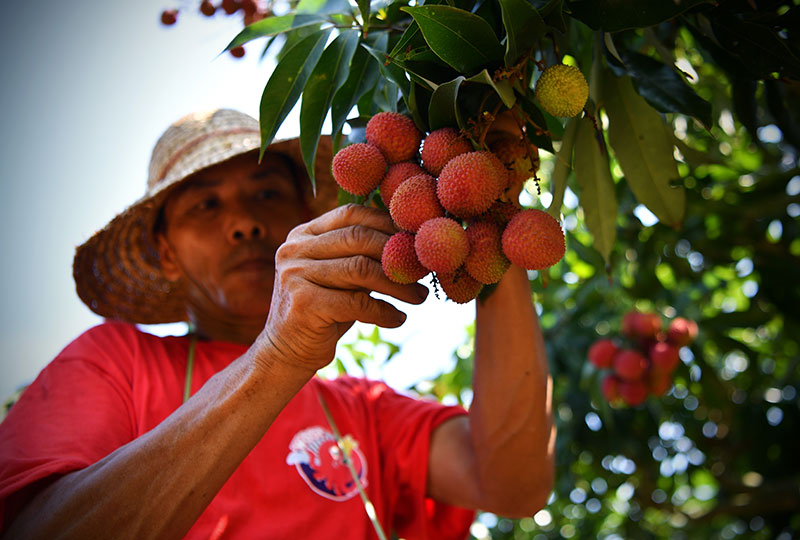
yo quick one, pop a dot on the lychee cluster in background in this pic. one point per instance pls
(454, 205)
(643, 361)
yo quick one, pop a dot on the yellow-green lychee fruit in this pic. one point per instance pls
(562, 90)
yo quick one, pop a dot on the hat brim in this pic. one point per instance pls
(117, 271)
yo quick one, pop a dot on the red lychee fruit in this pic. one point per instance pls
(519, 156)
(501, 213)
(601, 353)
(395, 134)
(231, 6)
(414, 202)
(441, 244)
(682, 332)
(533, 239)
(629, 365)
(659, 382)
(169, 17)
(399, 259)
(459, 286)
(207, 8)
(469, 183)
(440, 146)
(610, 388)
(485, 260)
(633, 393)
(640, 325)
(396, 175)
(664, 357)
(237, 52)
(359, 168)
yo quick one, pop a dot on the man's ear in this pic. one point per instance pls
(167, 258)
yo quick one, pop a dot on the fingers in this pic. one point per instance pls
(349, 215)
(362, 273)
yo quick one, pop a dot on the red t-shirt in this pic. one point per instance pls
(115, 383)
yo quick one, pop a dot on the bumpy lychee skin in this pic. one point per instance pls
(485, 260)
(395, 134)
(440, 146)
(459, 286)
(399, 259)
(441, 245)
(396, 175)
(533, 239)
(469, 183)
(359, 168)
(519, 156)
(414, 202)
(562, 90)
(500, 212)
(601, 353)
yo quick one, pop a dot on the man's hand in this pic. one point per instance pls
(324, 274)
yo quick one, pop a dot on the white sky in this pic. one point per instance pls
(87, 88)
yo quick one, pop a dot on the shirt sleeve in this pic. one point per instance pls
(77, 411)
(405, 428)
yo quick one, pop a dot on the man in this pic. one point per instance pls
(106, 442)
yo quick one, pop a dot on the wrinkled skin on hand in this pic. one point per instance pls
(324, 274)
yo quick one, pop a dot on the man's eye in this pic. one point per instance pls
(206, 204)
(267, 194)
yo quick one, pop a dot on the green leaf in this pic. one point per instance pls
(391, 71)
(328, 76)
(323, 6)
(463, 40)
(443, 110)
(502, 87)
(524, 27)
(286, 83)
(561, 168)
(596, 186)
(537, 124)
(272, 26)
(662, 86)
(645, 153)
(363, 7)
(363, 75)
(616, 15)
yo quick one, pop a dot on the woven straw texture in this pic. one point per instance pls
(117, 272)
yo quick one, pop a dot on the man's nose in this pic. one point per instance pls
(245, 226)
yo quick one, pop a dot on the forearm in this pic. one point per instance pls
(510, 418)
(157, 485)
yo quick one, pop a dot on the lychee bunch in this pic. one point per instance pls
(457, 221)
(642, 360)
(562, 90)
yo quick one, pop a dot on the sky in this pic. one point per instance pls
(88, 87)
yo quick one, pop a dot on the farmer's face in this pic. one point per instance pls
(221, 233)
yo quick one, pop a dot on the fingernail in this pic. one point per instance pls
(402, 317)
(422, 292)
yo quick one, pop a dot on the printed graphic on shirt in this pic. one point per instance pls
(319, 461)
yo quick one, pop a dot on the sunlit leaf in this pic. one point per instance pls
(502, 87)
(463, 40)
(328, 75)
(561, 168)
(286, 83)
(597, 196)
(363, 74)
(272, 26)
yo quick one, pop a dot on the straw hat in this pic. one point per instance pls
(117, 271)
